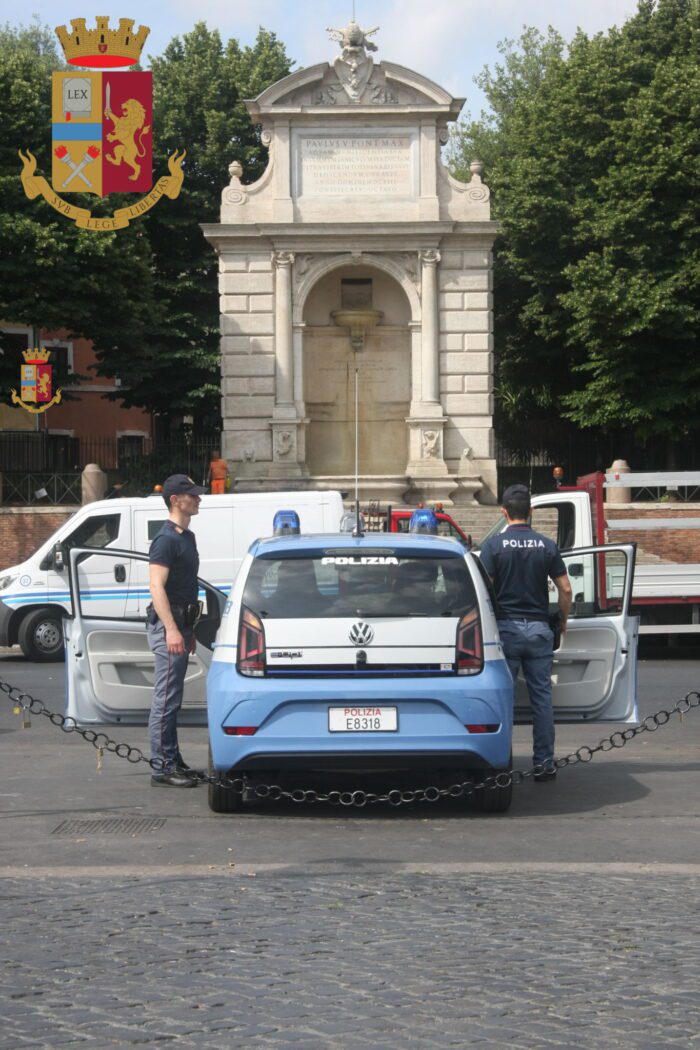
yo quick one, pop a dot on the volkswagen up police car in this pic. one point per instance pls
(374, 654)
(348, 656)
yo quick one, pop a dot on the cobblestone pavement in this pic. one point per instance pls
(352, 962)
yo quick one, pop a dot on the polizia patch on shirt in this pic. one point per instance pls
(366, 559)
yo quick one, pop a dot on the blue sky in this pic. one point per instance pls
(447, 40)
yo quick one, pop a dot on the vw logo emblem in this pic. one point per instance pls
(361, 633)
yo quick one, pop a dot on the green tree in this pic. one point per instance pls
(592, 154)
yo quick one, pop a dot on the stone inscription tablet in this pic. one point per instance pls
(355, 165)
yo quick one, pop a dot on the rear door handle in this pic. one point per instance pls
(120, 573)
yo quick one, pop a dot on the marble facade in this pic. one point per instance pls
(357, 250)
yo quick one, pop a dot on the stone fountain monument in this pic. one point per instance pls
(356, 238)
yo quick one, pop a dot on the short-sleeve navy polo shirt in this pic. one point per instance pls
(177, 550)
(520, 561)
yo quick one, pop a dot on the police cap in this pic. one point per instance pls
(181, 485)
(515, 492)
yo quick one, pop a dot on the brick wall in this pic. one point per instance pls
(674, 545)
(23, 529)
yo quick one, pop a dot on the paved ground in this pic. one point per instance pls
(570, 922)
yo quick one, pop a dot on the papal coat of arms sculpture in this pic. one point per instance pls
(102, 127)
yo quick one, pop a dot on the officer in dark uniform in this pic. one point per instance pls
(520, 562)
(171, 618)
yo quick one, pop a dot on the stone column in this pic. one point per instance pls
(287, 428)
(426, 468)
(430, 358)
(284, 341)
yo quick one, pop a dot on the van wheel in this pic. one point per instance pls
(40, 636)
(222, 799)
(493, 799)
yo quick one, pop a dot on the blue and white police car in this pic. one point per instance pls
(369, 654)
(344, 656)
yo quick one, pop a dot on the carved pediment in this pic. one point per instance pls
(381, 85)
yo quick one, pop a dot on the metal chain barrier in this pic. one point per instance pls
(29, 705)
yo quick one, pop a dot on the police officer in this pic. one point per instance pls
(174, 563)
(520, 562)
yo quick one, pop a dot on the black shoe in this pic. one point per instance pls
(188, 771)
(182, 767)
(174, 779)
(544, 775)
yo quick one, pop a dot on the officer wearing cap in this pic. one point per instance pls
(520, 562)
(171, 618)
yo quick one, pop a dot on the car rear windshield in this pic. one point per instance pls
(359, 584)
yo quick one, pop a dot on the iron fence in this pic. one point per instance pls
(32, 463)
(528, 452)
(26, 488)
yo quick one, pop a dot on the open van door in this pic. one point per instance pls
(109, 666)
(594, 677)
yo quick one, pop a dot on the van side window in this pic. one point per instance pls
(153, 527)
(94, 532)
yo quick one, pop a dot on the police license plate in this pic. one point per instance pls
(363, 719)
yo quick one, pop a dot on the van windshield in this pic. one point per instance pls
(357, 584)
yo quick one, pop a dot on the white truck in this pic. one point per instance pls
(35, 595)
(665, 594)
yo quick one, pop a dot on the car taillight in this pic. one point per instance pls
(478, 728)
(251, 645)
(240, 730)
(469, 657)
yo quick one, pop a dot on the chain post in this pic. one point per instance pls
(27, 705)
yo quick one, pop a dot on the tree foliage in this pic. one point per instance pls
(592, 155)
(146, 295)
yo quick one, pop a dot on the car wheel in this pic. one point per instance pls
(222, 799)
(40, 636)
(493, 799)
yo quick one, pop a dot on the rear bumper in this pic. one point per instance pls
(375, 761)
(292, 723)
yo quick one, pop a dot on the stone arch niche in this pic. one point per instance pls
(355, 190)
(384, 381)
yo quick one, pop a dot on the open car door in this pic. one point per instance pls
(109, 666)
(594, 677)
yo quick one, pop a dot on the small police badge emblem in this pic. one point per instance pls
(102, 124)
(36, 382)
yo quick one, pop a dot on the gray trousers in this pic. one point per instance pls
(167, 697)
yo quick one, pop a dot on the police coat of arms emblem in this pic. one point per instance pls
(102, 122)
(35, 382)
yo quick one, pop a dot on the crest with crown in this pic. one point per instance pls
(36, 356)
(102, 47)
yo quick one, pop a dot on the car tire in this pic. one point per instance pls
(40, 636)
(493, 799)
(222, 799)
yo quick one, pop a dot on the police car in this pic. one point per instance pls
(369, 654)
(352, 656)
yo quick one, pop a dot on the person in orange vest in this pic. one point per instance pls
(218, 474)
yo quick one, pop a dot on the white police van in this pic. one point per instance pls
(366, 654)
(35, 595)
